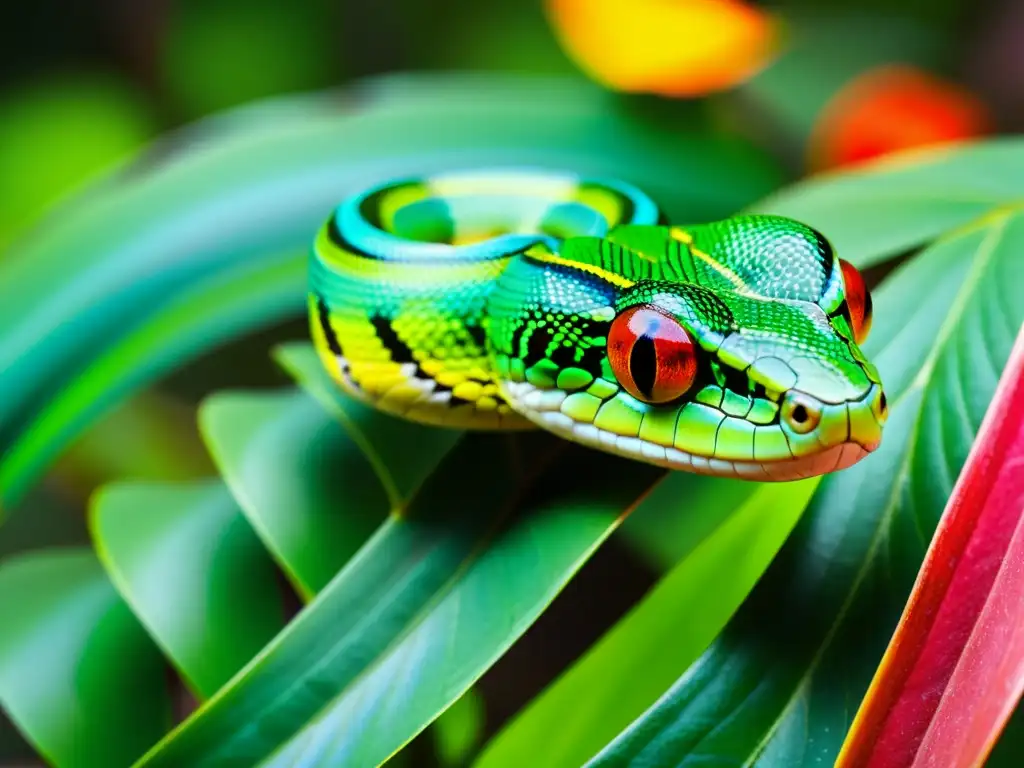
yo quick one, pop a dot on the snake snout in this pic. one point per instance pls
(867, 417)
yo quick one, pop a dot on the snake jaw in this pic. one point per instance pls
(846, 433)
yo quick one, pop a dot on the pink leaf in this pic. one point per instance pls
(954, 669)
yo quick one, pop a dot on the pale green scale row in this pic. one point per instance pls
(719, 422)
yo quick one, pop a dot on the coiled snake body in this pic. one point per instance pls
(509, 299)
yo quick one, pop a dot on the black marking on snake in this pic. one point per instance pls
(401, 353)
(478, 335)
(340, 241)
(825, 249)
(324, 316)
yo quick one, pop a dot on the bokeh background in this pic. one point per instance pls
(817, 85)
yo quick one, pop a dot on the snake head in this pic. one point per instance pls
(746, 363)
(776, 384)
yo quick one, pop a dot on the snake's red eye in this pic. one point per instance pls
(653, 356)
(858, 300)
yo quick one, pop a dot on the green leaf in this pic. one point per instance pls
(306, 487)
(661, 636)
(199, 317)
(186, 561)
(432, 600)
(78, 675)
(665, 530)
(780, 685)
(250, 188)
(403, 453)
(900, 203)
(458, 730)
(108, 118)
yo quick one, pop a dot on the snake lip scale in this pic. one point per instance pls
(524, 298)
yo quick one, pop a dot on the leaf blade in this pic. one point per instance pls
(187, 563)
(256, 182)
(909, 199)
(775, 689)
(399, 594)
(77, 673)
(635, 661)
(960, 635)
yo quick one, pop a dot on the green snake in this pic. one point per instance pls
(506, 299)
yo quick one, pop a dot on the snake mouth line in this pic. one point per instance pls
(543, 407)
(832, 459)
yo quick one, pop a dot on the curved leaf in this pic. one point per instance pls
(254, 184)
(777, 687)
(954, 670)
(403, 453)
(899, 203)
(665, 531)
(433, 599)
(504, 585)
(304, 484)
(78, 675)
(660, 637)
(201, 316)
(189, 566)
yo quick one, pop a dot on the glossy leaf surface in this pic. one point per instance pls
(308, 490)
(432, 599)
(900, 203)
(730, 545)
(189, 565)
(402, 453)
(250, 187)
(202, 316)
(63, 622)
(954, 671)
(776, 687)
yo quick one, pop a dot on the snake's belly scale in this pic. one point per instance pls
(515, 299)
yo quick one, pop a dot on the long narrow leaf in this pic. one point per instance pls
(776, 687)
(895, 204)
(626, 671)
(191, 569)
(954, 670)
(63, 624)
(253, 185)
(199, 317)
(432, 600)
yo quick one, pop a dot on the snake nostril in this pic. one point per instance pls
(880, 407)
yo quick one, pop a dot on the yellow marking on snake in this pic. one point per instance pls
(611, 277)
(686, 239)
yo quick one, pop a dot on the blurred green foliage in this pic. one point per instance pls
(58, 132)
(217, 55)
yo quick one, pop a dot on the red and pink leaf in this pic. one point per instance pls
(954, 669)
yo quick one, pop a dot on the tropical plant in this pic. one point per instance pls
(422, 555)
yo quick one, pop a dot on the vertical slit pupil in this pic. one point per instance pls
(643, 364)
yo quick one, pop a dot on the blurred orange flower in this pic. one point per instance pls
(893, 108)
(668, 47)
